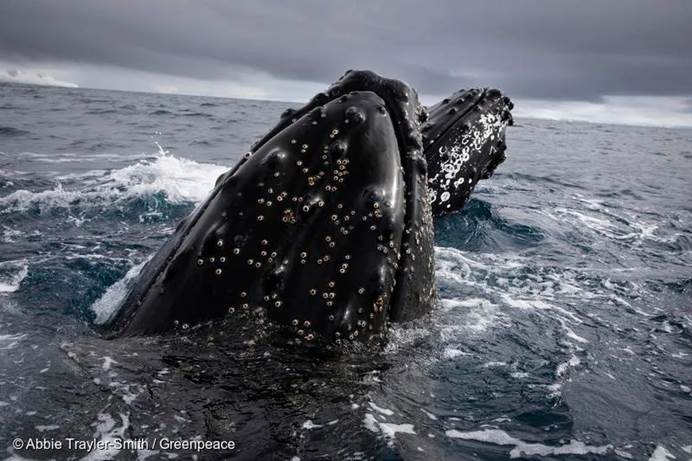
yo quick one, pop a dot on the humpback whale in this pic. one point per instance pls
(324, 227)
(464, 141)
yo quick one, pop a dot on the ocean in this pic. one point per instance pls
(563, 328)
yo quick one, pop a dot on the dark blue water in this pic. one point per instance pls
(563, 331)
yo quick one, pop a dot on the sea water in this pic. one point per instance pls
(563, 328)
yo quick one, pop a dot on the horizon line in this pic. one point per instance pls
(194, 95)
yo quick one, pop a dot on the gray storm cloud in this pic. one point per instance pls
(546, 49)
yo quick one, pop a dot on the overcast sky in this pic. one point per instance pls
(624, 61)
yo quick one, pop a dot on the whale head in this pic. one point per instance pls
(324, 227)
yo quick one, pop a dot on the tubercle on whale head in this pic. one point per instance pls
(398, 96)
(464, 141)
(324, 227)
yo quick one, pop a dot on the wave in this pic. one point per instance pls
(10, 341)
(486, 295)
(511, 281)
(179, 179)
(102, 111)
(521, 448)
(630, 229)
(12, 273)
(12, 131)
(195, 114)
(481, 226)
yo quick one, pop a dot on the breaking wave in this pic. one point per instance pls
(11, 275)
(179, 179)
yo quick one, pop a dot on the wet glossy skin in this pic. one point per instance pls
(464, 140)
(324, 228)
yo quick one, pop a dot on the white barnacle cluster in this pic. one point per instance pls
(455, 169)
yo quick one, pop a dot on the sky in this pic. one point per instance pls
(613, 61)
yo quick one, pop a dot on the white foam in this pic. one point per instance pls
(623, 454)
(10, 341)
(310, 425)
(12, 273)
(106, 306)
(429, 415)
(612, 225)
(521, 448)
(107, 431)
(554, 390)
(537, 304)
(390, 429)
(107, 362)
(600, 225)
(451, 353)
(46, 428)
(384, 411)
(661, 454)
(563, 367)
(128, 395)
(180, 179)
(10, 235)
(478, 314)
(456, 268)
(371, 423)
(146, 454)
(571, 334)
(401, 336)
